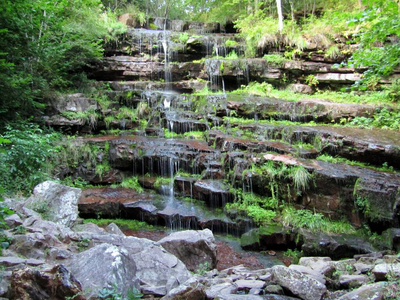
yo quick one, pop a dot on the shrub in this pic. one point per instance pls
(24, 161)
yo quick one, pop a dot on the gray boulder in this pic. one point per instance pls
(191, 289)
(308, 271)
(13, 221)
(196, 249)
(155, 266)
(323, 265)
(353, 281)
(220, 290)
(371, 292)
(74, 103)
(157, 270)
(301, 285)
(58, 203)
(382, 270)
(114, 229)
(300, 88)
(104, 266)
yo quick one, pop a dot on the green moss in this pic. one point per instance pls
(121, 223)
(250, 238)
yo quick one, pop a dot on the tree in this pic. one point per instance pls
(47, 46)
(280, 15)
(379, 45)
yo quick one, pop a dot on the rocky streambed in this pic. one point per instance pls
(55, 256)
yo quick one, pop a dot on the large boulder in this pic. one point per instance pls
(196, 249)
(301, 285)
(56, 283)
(334, 246)
(157, 270)
(104, 266)
(375, 291)
(74, 103)
(56, 202)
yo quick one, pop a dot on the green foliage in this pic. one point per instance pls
(275, 59)
(294, 255)
(124, 224)
(376, 51)
(83, 244)
(337, 160)
(5, 241)
(231, 43)
(90, 116)
(302, 218)
(46, 46)
(183, 37)
(112, 293)
(132, 183)
(24, 160)
(301, 177)
(72, 154)
(311, 80)
(393, 90)
(257, 30)
(260, 215)
(162, 181)
(197, 135)
(332, 52)
(260, 209)
(232, 55)
(383, 118)
(255, 88)
(203, 268)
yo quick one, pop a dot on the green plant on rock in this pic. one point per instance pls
(124, 224)
(183, 37)
(231, 43)
(83, 244)
(255, 88)
(231, 55)
(294, 255)
(203, 268)
(393, 90)
(275, 59)
(260, 215)
(5, 241)
(301, 177)
(160, 181)
(132, 183)
(333, 52)
(311, 80)
(303, 218)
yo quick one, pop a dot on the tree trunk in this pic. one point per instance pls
(280, 15)
(314, 7)
(292, 10)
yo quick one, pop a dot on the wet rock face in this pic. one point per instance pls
(269, 238)
(336, 247)
(159, 156)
